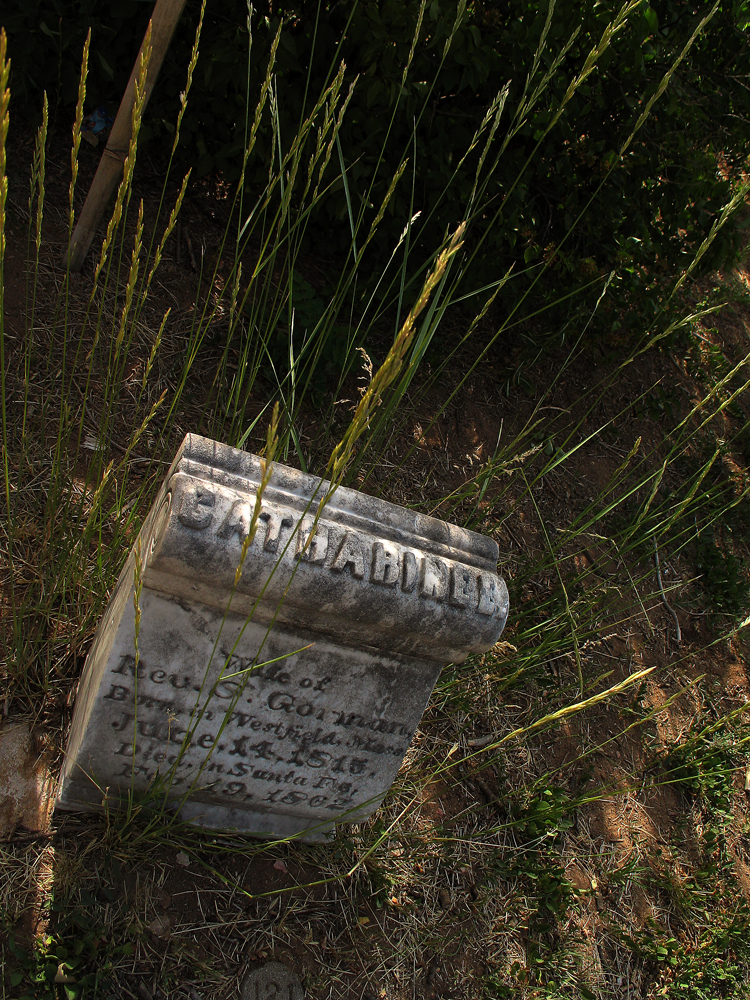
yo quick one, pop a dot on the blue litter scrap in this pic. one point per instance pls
(98, 124)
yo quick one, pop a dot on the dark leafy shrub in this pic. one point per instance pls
(536, 211)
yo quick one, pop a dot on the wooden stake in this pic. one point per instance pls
(163, 23)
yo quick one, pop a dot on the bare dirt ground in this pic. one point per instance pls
(566, 859)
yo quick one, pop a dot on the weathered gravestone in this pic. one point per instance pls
(272, 981)
(287, 702)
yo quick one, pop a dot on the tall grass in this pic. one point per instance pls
(89, 517)
(86, 372)
(265, 328)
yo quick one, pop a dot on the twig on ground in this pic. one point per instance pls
(664, 600)
(190, 249)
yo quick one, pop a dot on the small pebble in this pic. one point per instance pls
(159, 926)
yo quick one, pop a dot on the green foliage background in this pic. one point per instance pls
(656, 207)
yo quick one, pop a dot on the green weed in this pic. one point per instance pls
(725, 582)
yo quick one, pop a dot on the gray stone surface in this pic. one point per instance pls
(287, 703)
(27, 789)
(272, 981)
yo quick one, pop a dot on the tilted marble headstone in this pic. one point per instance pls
(286, 703)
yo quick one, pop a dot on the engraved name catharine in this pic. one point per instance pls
(344, 550)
